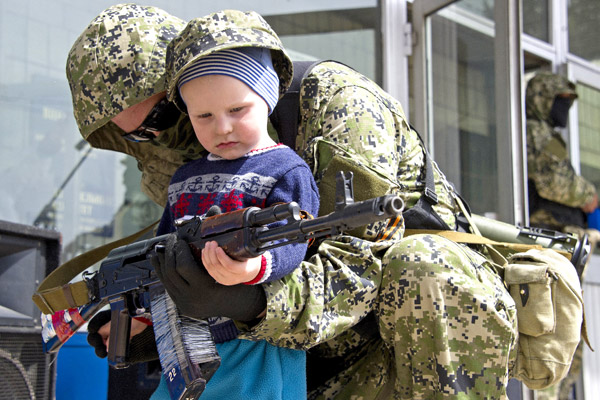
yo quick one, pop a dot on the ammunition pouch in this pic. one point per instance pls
(548, 296)
(367, 183)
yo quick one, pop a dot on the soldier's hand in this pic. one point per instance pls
(142, 346)
(98, 332)
(196, 293)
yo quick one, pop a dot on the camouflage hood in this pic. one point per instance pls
(118, 61)
(219, 31)
(540, 94)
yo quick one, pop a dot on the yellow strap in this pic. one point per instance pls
(55, 293)
(463, 237)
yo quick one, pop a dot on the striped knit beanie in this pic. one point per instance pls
(251, 65)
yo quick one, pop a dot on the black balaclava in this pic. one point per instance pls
(559, 114)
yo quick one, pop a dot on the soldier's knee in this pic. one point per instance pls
(423, 254)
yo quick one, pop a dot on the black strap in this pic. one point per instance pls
(429, 192)
(564, 215)
(286, 115)
(422, 215)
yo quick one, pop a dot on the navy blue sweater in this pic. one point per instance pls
(260, 178)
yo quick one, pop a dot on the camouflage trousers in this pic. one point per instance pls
(447, 329)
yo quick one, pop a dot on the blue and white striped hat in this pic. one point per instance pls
(251, 65)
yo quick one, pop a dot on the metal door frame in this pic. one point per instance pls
(509, 94)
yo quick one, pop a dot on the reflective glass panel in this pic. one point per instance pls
(584, 16)
(482, 8)
(535, 18)
(461, 59)
(588, 104)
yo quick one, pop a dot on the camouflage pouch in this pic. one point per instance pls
(366, 182)
(549, 302)
(557, 147)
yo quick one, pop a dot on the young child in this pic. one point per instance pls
(228, 96)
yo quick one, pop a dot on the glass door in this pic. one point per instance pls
(468, 99)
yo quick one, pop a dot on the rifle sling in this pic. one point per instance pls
(55, 293)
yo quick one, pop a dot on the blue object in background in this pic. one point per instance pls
(79, 373)
(594, 219)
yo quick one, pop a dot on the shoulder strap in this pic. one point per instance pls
(55, 293)
(286, 115)
(430, 198)
(429, 191)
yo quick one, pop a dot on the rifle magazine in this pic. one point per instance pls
(187, 352)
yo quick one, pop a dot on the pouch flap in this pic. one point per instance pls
(515, 274)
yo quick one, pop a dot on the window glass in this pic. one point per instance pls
(536, 16)
(51, 177)
(348, 36)
(482, 8)
(463, 106)
(583, 28)
(588, 104)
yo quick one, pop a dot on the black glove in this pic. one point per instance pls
(142, 347)
(93, 337)
(197, 294)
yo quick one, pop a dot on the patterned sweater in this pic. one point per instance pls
(260, 178)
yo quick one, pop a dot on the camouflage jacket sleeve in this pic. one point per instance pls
(323, 297)
(549, 167)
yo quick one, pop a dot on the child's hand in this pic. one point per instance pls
(226, 270)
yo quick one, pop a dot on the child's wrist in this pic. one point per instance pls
(260, 274)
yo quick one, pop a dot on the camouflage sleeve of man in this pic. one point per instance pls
(550, 168)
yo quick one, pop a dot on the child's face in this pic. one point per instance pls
(228, 117)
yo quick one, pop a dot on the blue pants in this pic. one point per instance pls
(253, 370)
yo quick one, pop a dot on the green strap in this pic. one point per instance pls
(55, 293)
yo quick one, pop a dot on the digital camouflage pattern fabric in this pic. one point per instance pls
(221, 31)
(343, 114)
(119, 61)
(447, 327)
(446, 322)
(548, 163)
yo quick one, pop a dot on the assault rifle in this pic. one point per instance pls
(127, 281)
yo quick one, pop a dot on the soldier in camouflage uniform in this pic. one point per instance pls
(119, 62)
(562, 195)
(558, 197)
(444, 324)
